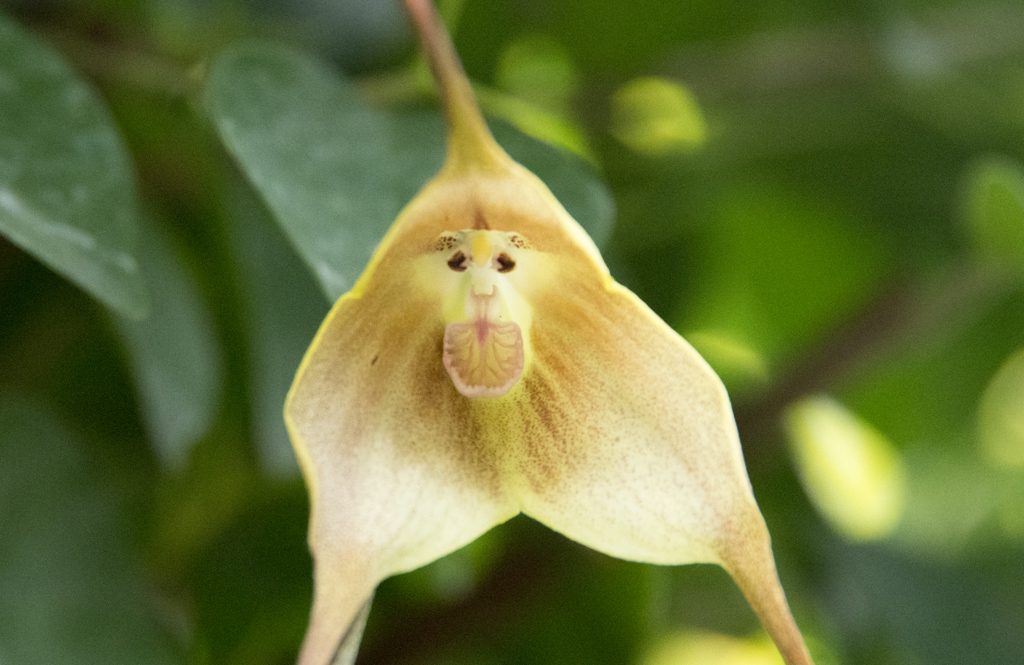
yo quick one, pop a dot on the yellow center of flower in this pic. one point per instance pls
(485, 339)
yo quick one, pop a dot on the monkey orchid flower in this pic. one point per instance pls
(486, 364)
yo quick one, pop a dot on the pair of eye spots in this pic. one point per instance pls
(459, 261)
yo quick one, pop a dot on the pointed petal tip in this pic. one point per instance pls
(323, 647)
(752, 565)
(341, 603)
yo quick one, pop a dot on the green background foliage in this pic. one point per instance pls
(824, 201)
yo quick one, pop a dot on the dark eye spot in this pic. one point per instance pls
(457, 262)
(505, 263)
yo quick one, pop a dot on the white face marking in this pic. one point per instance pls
(484, 338)
(482, 260)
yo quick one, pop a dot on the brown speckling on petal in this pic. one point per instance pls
(445, 241)
(518, 241)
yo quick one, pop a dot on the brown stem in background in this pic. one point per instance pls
(902, 314)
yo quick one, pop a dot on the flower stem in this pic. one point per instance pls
(470, 144)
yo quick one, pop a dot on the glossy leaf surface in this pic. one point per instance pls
(67, 192)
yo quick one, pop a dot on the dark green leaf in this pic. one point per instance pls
(283, 308)
(174, 354)
(67, 193)
(335, 173)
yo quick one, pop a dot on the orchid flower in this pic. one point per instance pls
(487, 364)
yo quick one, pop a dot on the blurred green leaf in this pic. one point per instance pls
(70, 590)
(283, 309)
(538, 69)
(703, 648)
(1001, 415)
(450, 579)
(994, 210)
(851, 472)
(531, 587)
(335, 173)
(657, 116)
(67, 192)
(737, 364)
(173, 353)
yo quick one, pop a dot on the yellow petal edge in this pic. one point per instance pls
(487, 364)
